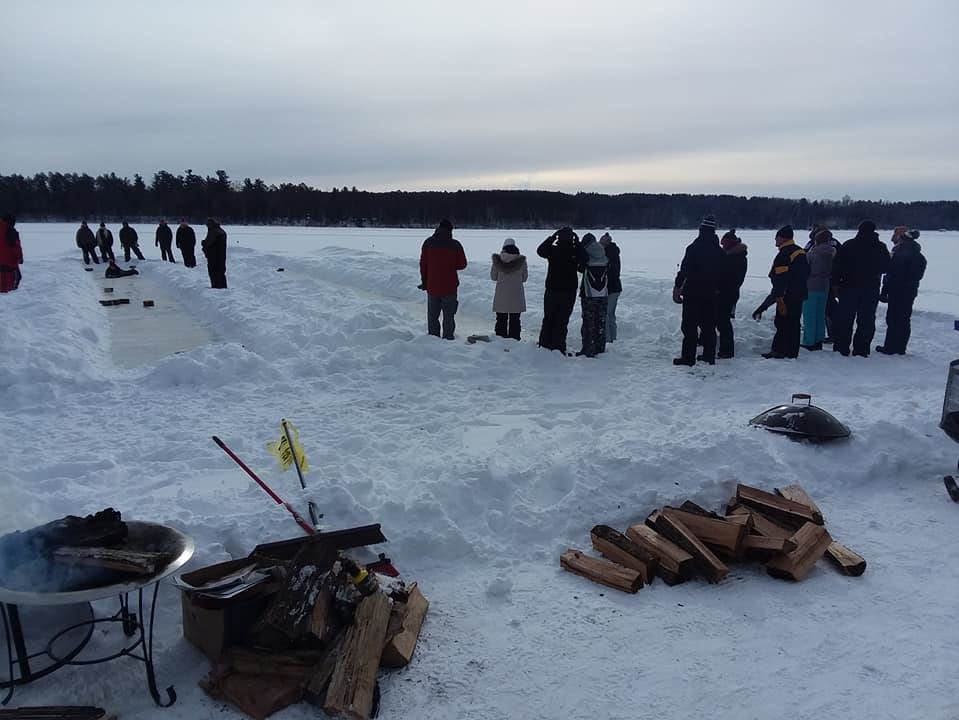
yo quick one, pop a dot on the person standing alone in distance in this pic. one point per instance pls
(441, 258)
(214, 247)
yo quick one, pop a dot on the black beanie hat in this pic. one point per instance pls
(446, 224)
(786, 231)
(867, 226)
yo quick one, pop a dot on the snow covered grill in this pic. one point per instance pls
(806, 422)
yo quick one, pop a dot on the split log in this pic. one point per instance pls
(691, 507)
(299, 664)
(319, 681)
(746, 520)
(137, 562)
(796, 493)
(847, 561)
(722, 534)
(103, 529)
(706, 562)
(651, 519)
(760, 544)
(781, 509)
(599, 570)
(350, 694)
(404, 629)
(322, 615)
(675, 564)
(259, 696)
(811, 543)
(762, 525)
(288, 617)
(623, 551)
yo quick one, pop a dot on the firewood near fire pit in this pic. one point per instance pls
(103, 529)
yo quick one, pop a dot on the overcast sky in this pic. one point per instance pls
(808, 99)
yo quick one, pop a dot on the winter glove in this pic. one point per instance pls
(758, 312)
(677, 296)
(781, 307)
(883, 297)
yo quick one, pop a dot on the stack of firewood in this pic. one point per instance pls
(784, 531)
(322, 638)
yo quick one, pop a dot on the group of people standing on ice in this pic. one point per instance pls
(213, 246)
(825, 292)
(821, 292)
(589, 268)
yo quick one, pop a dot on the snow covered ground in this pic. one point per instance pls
(483, 465)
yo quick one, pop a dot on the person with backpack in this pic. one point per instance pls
(856, 276)
(129, 241)
(105, 242)
(820, 257)
(441, 259)
(789, 276)
(561, 252)
(900, 287)
(509, 272)
(697, 289)
(615, 284)
(593, 294)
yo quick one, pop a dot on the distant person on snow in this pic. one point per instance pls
(562, 253)
(441, 257)
(732, 273)
(186, 241)
(214, 247)
(820, 257)
(789, 275)
(615, 285)
(899, 289)
(130, 242)
(114, 271)
(164, 241)
(105, 242)
(832, 304)
(87, 242)
(11, 254)
(696, 288)
(856, 275)
(509, 272)
(593, 296)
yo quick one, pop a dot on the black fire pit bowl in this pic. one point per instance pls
(801, 422)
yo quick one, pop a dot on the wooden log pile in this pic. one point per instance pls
(321, 640)
(784, 530)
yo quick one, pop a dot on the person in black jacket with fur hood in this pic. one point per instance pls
(697, 289)
(899, 289)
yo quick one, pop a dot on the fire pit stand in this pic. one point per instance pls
(26, 662)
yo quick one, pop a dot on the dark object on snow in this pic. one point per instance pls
(474, 338)
(108, 290)
(280, 269)
(951, 487)
(950, 403)
(88, 269)
(148, 303)
(806, 422)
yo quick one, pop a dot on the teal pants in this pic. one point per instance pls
(814, 317)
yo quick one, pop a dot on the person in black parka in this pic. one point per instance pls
(164, 241)
(186, 241)
(130, 242)
(856, 274)
(214, 247)
(87, 242)
(732, 273)
(899, 289)
(562, 252)
(105, 242)
(789, 276)
(697, 289)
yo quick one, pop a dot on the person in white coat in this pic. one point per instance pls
(509, 271)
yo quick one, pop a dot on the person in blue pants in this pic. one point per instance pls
(819, 257)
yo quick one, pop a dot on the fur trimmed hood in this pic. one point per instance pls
(508, 262)
(739, 247)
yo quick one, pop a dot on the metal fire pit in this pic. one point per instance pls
(801, 422)
(31, 652)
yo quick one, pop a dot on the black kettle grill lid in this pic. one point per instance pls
(799, 420)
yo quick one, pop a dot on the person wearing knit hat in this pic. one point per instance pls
(732, 273)
(788, 276)
(900, 286)
(509, 272)
(820, 257)
(696, 288)
(615, 284)
(593, 294)
(856, 277)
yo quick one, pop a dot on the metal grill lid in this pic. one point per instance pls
(801, 421)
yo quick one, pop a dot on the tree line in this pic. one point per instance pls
(59, 196)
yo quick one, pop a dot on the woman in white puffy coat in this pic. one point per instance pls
(509, 271)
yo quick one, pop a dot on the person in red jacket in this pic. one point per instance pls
(11, 254)
(440, 259)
